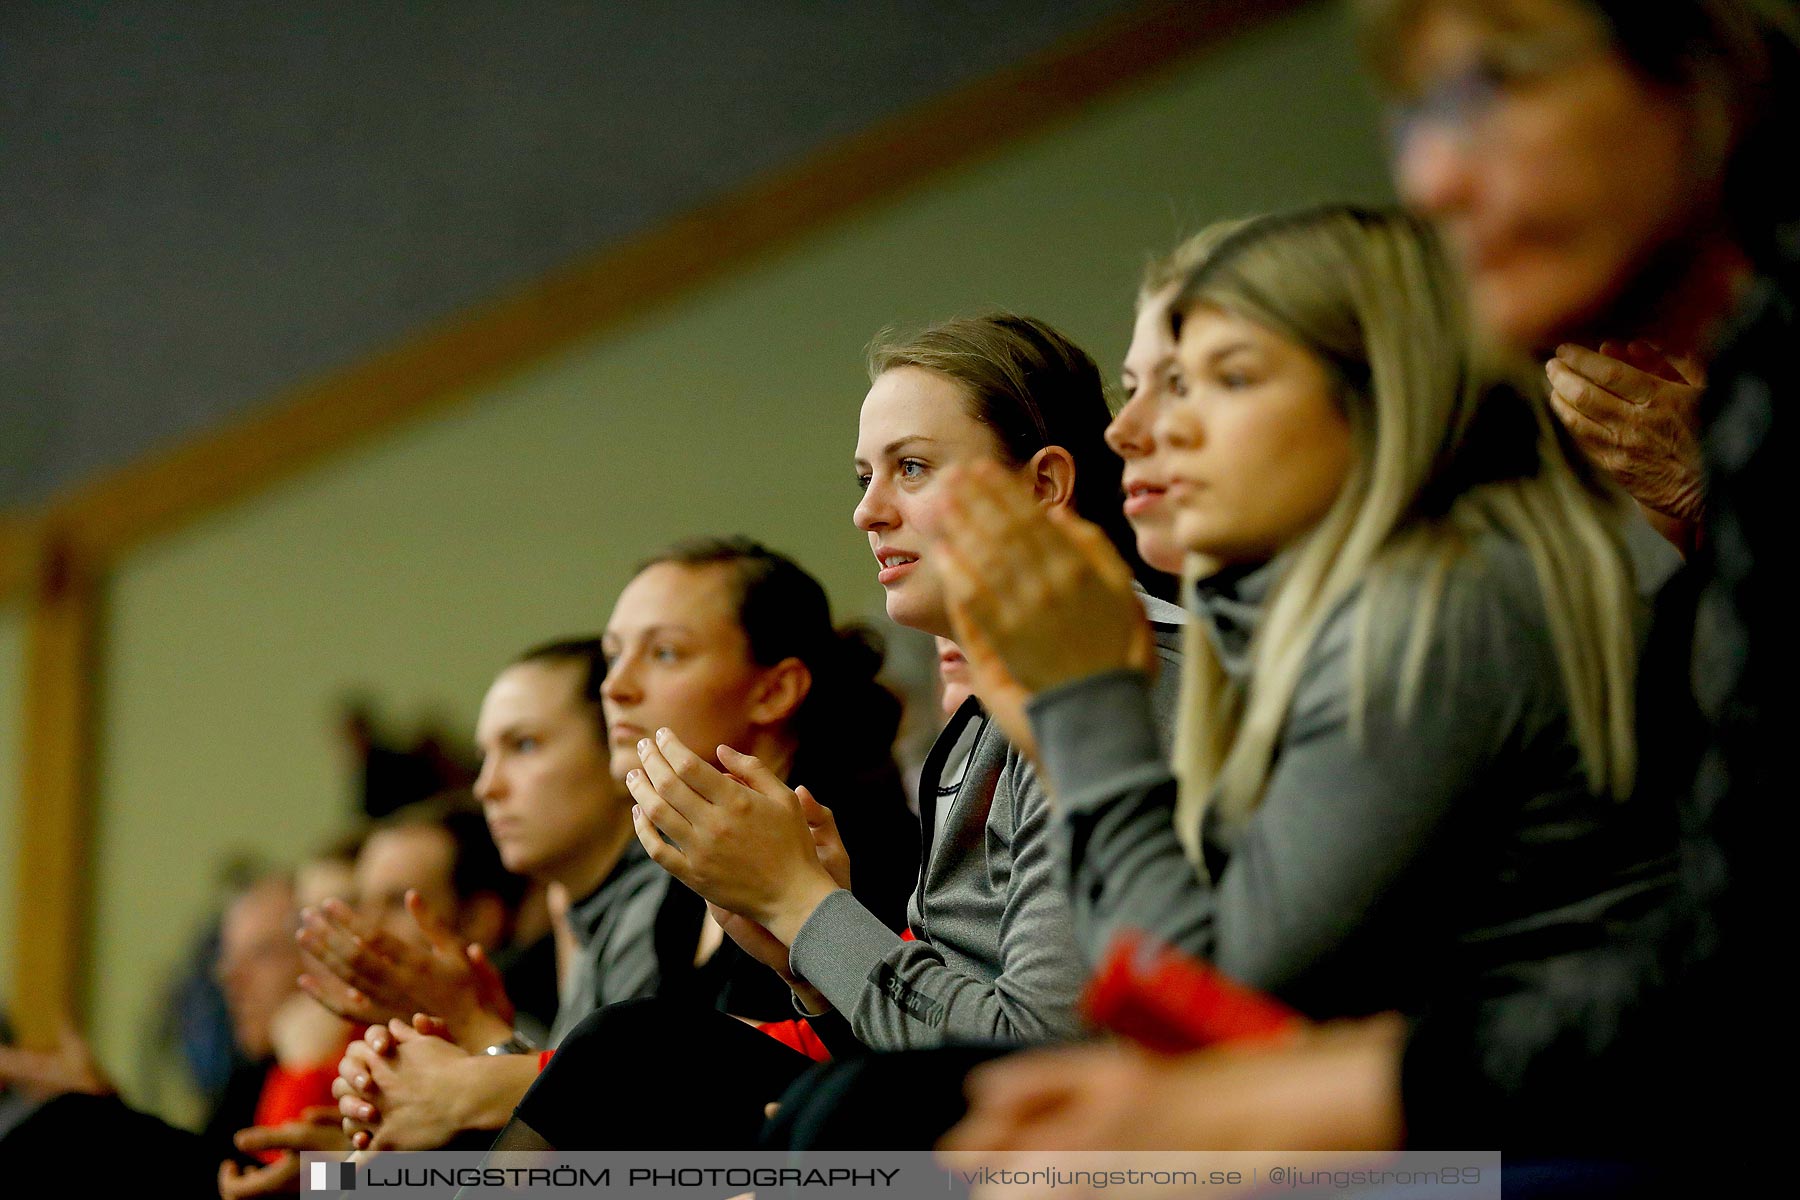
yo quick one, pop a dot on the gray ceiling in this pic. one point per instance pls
(205, 202)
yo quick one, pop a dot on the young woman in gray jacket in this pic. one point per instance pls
(1407, 732)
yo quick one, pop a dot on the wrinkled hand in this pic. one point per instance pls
(400, 1087)
(742, 840)
(1336, 1089)
(369, 976)
(316, 1130)
(70, 1067)
(1635, 412)
(1037, 596)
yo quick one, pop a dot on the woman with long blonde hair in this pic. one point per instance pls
(1407, 728)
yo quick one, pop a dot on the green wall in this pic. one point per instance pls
(414, 566)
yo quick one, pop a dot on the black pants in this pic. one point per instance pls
(653, 1075)
(901, 1101)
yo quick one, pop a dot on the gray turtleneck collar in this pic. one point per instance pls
(1229, 605)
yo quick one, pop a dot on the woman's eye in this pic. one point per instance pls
(862, 482)
(665, 654)
(911, 468)
(525, 744)
(1234, 377)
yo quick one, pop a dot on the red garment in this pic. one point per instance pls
(287, 1093)
(799, 1035)
(796, 1034)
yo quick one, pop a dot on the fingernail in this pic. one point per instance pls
(643, 746)
(662, 735)
(361, 1082)
(631, 776)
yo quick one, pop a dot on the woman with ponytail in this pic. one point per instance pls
(991, 959)
(725, 644)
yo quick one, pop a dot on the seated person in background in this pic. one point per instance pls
(427, 879)
(558, 816)
(435, 904)
(257, 966)
(727, 643)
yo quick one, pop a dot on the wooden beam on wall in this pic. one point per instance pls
(50, 914)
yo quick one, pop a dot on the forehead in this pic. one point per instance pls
(322, 879)
(911, 402)
(1151, 340)
(531, 691)
(409, 857)
(1206, 329)
(263, 913)
(700, 598)
(1440, 35)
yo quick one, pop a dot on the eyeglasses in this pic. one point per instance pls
(1461, 101)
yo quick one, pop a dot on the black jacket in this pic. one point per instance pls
(1674, 1042)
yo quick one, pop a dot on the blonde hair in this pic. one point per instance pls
(1177, 265)
(1444, 453)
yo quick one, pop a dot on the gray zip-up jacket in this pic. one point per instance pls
(994, 957)
(1460, 837)
(614, 926)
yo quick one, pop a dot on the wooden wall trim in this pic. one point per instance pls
(110, 515)
(50, 910)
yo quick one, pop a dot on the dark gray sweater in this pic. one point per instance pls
(1462, 836)
(995, 957)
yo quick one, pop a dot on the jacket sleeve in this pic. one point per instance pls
(899, 994)
(1104, 744)
(1346, 812)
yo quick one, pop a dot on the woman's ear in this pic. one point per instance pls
(1053, 477)
(780, 692)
